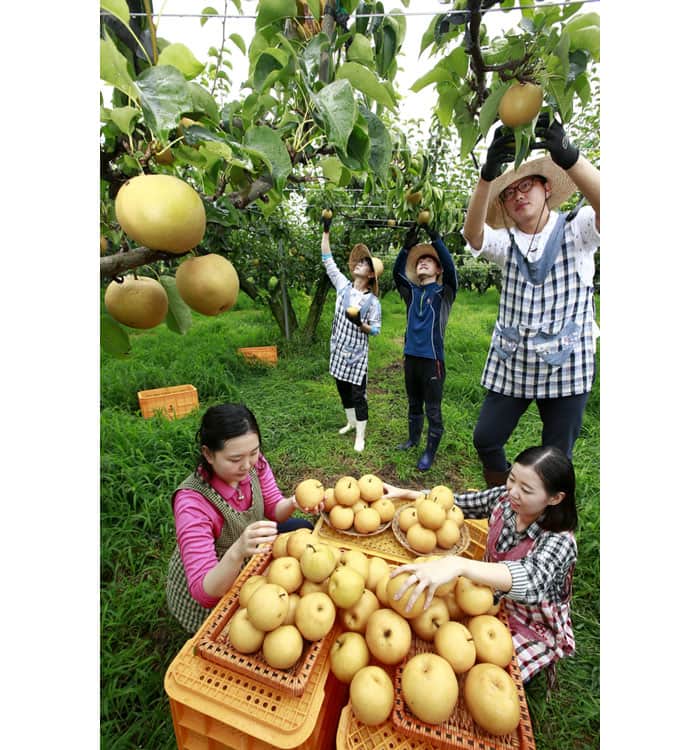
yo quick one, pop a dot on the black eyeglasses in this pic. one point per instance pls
(524, 186)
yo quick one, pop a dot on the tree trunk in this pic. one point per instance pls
(316, 309)
(277, 307)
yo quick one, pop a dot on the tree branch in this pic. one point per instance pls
(120, 263)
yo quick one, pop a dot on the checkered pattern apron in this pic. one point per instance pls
(188, 612)
(543, 344)
(349, 345)
(542, 633)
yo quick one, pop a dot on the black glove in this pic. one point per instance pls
(500, 152)
(432, 233)
(553, 137)
(354, 318)
(327, 224)
(412, 235)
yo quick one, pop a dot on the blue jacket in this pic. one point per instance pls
(427, 307)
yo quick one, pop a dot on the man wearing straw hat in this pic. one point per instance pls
(426, 279)
(358, 315)
(543, 343)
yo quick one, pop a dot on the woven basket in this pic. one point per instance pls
(455, 549)
(213, 643)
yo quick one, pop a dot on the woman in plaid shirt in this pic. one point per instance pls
(352, 329)
(530, 555)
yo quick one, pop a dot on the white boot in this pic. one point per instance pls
(352, 421)
(360, 436)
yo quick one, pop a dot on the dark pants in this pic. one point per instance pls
(293, 523)
(499, 415)
(354, 397)
(424, 379)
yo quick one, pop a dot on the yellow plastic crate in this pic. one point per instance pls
(266, 354)
(172, 402)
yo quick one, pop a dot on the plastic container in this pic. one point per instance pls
(212, 642)
(460, 730)
(354, 735)
(172, 402)
(267, 354)
(215, 709)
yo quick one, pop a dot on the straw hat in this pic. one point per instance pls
(561, 184)
(358, 253)
(417, 252)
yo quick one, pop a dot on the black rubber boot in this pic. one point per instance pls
(426, 460)
(415, 430)
(495, 478)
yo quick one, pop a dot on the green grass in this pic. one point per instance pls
(299, 412)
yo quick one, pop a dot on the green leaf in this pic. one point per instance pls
(581, 21)
(208, 11)
(315, 8)
(268, 67)
(335, 171)
(457, 62)
(202, 101)
(271, 11)
(123, 118)
(179, 318)
(564, 98)
(447, 98)
(338, 108)
(264, 142)
(381, 146)
(586, 38)
(360, 50)
(437, 75)
(164, 97)
(114, 340)
(469, 135)
(238, 40)
(489, 109)
(357, 153)
(118, 8)
(386, 48)
(114, 69)
(180, 56)
(366, 81)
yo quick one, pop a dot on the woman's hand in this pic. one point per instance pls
(315, 511)
(397, 492)
(427, 577)
(256, 537)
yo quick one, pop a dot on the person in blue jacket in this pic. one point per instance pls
(426, 279)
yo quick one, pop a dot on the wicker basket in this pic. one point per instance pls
(460, 730)
(266, 354)
(456, 549)
(352, 532)
(213, 644)
(172, 402)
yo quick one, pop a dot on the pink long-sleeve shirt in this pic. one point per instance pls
(198, 523)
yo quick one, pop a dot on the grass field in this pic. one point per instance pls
(299, 412)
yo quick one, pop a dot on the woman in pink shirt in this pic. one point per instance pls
(228, 509)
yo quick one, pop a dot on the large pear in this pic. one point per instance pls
(208, 283)
(161, 212)
(137, 302)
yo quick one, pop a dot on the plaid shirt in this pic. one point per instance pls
(542, 573)
(349, 345)
(543, 345)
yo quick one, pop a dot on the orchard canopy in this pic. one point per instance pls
(315, 124)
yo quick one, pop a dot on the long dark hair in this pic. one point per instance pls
(221, 423)
(556, 471)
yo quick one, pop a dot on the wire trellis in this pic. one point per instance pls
(416, 13)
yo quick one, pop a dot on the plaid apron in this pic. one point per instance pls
(349, 345)
(543, 344)
(542, 633)
(188, 612)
